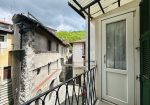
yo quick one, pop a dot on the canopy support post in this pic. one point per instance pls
(88, 38)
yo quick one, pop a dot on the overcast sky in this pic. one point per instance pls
(53, 13)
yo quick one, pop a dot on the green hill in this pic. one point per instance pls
(71, 36)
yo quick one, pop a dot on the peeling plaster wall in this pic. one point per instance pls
(27, 82)
(40, 41)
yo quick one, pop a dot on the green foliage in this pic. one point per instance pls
(71, 36)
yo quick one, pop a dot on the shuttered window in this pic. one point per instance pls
(145, 56)
(7, 72)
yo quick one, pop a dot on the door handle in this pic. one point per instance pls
(138, 77)
(105, 59)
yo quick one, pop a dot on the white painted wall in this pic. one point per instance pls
(78, 61)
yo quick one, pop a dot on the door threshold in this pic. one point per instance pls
(101, 102)
(108, 102)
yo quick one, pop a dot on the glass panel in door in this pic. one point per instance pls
(116, 45)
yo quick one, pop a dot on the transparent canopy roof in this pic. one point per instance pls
(99, 7)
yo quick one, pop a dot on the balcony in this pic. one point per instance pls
(70, 93)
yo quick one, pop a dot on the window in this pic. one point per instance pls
(61, 50)
(49, 45)
(116, 45)
(78, 80)
(62, 61)
(6, 26)
(7, 72)
(1, 38)
(83, 49)
(57, 47)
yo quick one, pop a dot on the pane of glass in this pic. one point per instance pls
(110, 29)
(120, 45)
(116, 45)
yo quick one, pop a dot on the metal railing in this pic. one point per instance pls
(79, 90)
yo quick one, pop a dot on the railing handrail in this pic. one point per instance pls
(58, 86)
(45, 65)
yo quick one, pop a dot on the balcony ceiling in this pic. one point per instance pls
(99, 7)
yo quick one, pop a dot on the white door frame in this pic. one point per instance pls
(129, 73)
(98, 41)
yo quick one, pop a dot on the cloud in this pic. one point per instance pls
(64, 27)
(6, 16)
(54, 13)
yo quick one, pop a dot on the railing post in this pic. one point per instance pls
(49, 67)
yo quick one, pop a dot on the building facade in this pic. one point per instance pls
(6, 46)
(78, 52)
(38, 57)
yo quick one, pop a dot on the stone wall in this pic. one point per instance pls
(30, 78)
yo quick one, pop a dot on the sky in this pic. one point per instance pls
(53, 13)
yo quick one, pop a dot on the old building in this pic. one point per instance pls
(38, 57)
(6, 45)
(78, 51)
(118, 40)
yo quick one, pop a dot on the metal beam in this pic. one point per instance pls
(90, 4)
(88, 38)
(79, 12)
(81, 7)
(101, 7)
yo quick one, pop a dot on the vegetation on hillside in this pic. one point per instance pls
(71, 36)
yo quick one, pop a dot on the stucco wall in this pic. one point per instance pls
(29, 79)
(78, 48)
(5, 58)
(78, 60)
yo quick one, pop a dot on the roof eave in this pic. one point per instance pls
(20, 17)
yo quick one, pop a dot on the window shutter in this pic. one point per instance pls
(145, 56)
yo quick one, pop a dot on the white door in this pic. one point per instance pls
(117, 57)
